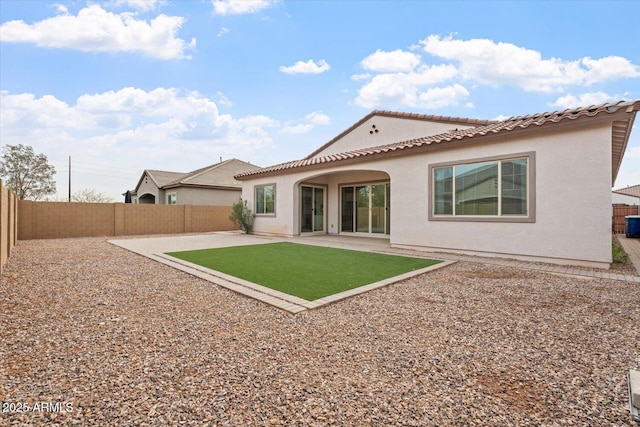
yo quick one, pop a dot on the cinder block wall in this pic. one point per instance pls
(51, 220)
(8, 223)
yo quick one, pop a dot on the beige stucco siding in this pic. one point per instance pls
(390, 130)
(572, 200)
(148, 187)
(205, 196)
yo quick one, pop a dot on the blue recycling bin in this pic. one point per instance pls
(632, 225)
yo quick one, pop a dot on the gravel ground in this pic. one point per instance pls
(113, 338)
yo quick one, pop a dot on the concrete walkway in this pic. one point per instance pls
(632, 248)
(157, 247)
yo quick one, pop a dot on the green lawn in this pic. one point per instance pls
(308, 272)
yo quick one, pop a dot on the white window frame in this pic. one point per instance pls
(175, 198)
(531, 193)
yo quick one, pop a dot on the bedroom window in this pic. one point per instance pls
(265, 199)
(487, 189)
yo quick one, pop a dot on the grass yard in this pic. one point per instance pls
(308, 272)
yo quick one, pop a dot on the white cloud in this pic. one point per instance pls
(584, 100)
(309, 121)
(608, 68)
(358, 77)
(309, 67)
(132, 129)
(497, 64)
(223, 31)
(402, 78)
(95, 29)
(439, 97)
(413, 89)
(317, 118)
(60, 8)
(391, 62)
(240, 7)
(223, 100)
(142, 5)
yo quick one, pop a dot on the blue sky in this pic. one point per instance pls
(127, 85)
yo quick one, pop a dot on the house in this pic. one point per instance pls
(211, 185)
(534, 187)
(627, 196)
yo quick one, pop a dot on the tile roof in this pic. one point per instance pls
(620, 133)
(633, 190)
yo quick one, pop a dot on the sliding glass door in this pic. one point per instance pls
(365, 208)
(311, 209)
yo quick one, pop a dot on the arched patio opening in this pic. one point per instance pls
(147, 198)
(353, 202)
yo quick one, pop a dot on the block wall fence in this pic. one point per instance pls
(54, 220)
(8, 223)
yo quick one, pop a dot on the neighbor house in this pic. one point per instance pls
(534, 187)
(211, 185)
(627, 196)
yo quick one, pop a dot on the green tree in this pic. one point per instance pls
(90, 196)
(27, 174)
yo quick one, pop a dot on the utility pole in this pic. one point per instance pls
(69, 179)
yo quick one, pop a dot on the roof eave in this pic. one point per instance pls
(204, 186)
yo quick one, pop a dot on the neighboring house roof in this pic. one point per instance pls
(219, 175)
(162, 178)
(633, 190)
(621, 114)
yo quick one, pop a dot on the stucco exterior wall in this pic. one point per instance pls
(390, 130)
(148, 187)
(204, 196)
(624, 199)
(573, 200)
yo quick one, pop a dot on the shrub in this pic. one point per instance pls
(242, 216)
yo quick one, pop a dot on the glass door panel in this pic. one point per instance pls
(306, 220)
(318, 209)
(362, 209)
(378, 206)
(388, 209)
(372, 210)
(311, 209)
(347, 209)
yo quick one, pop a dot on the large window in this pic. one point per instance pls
(266, 199)
(487, 189)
